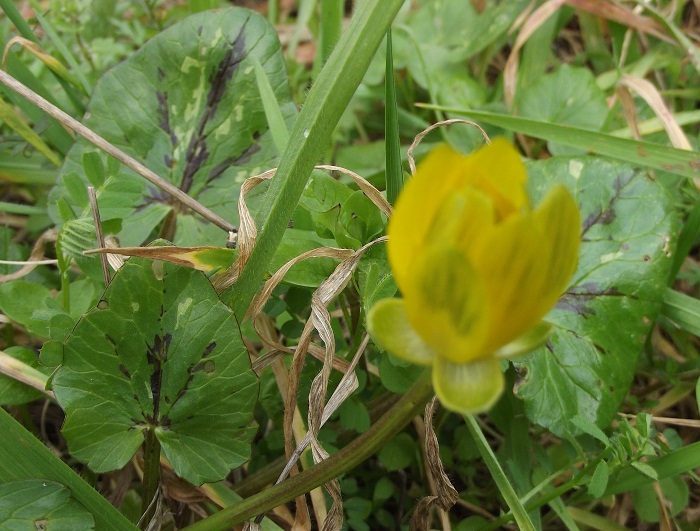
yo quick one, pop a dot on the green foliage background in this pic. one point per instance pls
(207, 99)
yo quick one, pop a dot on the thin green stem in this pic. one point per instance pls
(504, 486)
(393, 421)
(273, 11)
(151, 476)
(550, 495)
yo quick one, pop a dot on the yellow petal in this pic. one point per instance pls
(468, 388)
(526, 265)
(446, 304)
(498, 170)
(494, 170)
(418, 204)
(389, 326)
(559, 220)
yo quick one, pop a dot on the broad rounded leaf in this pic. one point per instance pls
(568, 96)
(187, 105)
(602, 321)
(41, 504)
(159, 351)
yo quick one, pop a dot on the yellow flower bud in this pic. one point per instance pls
(478, 269)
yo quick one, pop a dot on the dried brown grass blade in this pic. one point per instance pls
(446, 494)
(37, 255)
(531, 24)
(363, 184)
(420, 521)
(419, 137)
(647, 91)
(20, 371)
(92, 137)
(622, 15)
(629, 109)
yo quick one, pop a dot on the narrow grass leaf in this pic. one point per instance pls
(682, 310)
(326, 102)
(18, 20)
(22, 128)
(394, 172)
(54, 37)
(331, 26)
(275, 118)
(647, 154)
(499, 477)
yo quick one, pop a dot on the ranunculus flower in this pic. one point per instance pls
(478, 269)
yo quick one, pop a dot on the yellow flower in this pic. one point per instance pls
(478, 269)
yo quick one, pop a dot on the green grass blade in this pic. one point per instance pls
(394, 172)
(686, 240)
(25, 457)
(13, 120)
(55, 135)
(85, 86)
(275, 120)
(304, 13)
(685, 163)
(331, 26)
(326, 102)
(26, 171)
(16, 18)
(682, 310)
(499, 477)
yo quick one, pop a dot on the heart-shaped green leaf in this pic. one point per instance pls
(159, 351)
(187, 105)
(603, 320)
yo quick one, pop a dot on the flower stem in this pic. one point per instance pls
(504, 486)
(393, 421)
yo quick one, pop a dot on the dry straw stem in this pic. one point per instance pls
(248, 231)
(24, 373)
(320, 320)
(370, 191)
(651, 96)
(345, 388)
(689, 423)
(446, 494)
(50, 61)
(36, 257)
(92, 195)
(606, 10)
(281, 376)
(419, 137)
(112, 150)
(442, 492)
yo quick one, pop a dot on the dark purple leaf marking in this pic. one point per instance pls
(608, 215)
(156, 356)
(197, 153)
